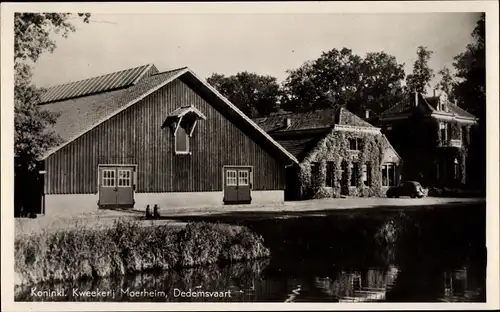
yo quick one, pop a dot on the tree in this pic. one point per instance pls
(32, 37)
(255, 95)
(470, 92)
(331, 79)
(382, 82)
(32, 125)
(447, 83)
(422, 74)
(340, 77)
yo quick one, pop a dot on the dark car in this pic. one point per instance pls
(408, 188)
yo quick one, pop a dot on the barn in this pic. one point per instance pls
(140, 136)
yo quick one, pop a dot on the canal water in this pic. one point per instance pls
(431, 254)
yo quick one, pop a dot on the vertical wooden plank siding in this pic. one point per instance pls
(135, 136)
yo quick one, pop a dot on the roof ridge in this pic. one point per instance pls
(170, 70)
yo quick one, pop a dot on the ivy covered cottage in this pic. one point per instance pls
(339, 154)
(432, 135)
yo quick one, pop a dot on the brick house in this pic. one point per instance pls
(432, 135)
(339, 154)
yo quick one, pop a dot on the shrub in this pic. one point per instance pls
(128, 247)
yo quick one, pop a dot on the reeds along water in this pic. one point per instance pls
(129, 248)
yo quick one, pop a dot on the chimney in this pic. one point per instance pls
(416, 99)
(434, 92)
(288, 122)
(367, 114)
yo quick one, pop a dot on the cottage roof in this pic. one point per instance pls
(80, 114)
(299, 133)
(299, 147)
(429, 104)
(313, 120)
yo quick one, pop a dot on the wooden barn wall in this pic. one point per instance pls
(135, 136)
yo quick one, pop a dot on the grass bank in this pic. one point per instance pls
(127, 247)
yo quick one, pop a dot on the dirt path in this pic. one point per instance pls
(105, 218)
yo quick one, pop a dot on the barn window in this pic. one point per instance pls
(181, 140)
(182, 122)
(108, 178)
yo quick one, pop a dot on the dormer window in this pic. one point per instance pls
(182, 123)
(181, 140)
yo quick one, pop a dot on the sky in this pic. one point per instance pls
(267, 44)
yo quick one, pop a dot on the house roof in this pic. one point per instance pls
(319, 119)
(429, 104)
(81, 114)
(454, 109)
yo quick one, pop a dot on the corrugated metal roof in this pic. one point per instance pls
(81, 114)
(104, 83)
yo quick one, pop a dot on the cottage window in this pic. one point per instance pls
(367, 175)
(330, 174)
(354, 173)
(388, 175)
(181, 141)
(314, 169)
(354, 144)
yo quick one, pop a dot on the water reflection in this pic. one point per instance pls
(251, 281)
(435, 256)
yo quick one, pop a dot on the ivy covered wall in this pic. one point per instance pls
(335, 148)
